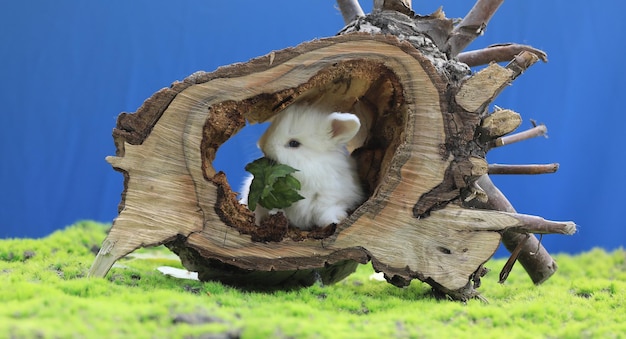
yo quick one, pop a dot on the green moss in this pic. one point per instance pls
(45, 294)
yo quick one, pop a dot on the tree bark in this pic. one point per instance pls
(402, 6)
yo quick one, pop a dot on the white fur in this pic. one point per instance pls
(327, 173)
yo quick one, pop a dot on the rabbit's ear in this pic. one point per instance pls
(343, 127)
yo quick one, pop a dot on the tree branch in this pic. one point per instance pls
(498, 53)
(535, 259)
(523, 169)
(472, 26)
(350, 10)
(536, 131)
(539, 225)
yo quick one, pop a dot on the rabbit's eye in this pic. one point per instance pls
(293, 143)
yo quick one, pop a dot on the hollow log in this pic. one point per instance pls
(422, 145)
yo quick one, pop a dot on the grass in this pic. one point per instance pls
(44, 293)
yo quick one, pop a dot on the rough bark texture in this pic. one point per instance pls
(425, 133)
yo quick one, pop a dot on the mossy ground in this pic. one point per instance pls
(44, 293)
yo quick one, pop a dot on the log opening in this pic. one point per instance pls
(365, 88)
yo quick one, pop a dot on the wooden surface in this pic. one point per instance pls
(416, 154)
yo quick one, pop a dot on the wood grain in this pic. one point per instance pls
(418, 152)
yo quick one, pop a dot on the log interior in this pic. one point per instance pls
(365, 88)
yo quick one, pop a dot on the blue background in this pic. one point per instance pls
(68, 68)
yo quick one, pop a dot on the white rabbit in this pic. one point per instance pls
(313, 142)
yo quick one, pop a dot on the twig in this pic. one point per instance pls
(539, 225)
(535, 259)
(523, 169)
(350, 10)
(508, 266)
(472, 26)
(498, 53)
(536, 131)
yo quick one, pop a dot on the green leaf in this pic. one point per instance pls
(273, 186)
